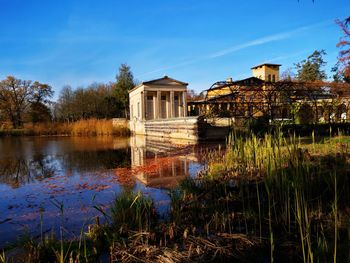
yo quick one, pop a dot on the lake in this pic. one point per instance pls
(46, 182)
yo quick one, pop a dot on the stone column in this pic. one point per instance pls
(167, 105)
(158, 104)
(154, 105)
(145, 110)
(142, 105)
(184, 103)
(180, 105)
(172, 104)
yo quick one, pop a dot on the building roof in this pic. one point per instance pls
(266, 64)
(154, 82)
(164, 78)
(251, 81)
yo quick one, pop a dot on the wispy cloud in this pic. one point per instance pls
(236, 48)
(285, 57)
(256, 42)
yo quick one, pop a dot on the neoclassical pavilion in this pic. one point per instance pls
(162, 98)
(159, 108)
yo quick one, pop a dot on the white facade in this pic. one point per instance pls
(160, 99)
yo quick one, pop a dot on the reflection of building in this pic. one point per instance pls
(153, 166)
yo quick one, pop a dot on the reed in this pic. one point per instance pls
(3, 258)
(88, 127)
(335, 212)
(132, 211)
(298, 186)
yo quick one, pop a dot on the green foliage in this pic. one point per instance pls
(311, 69)
(132, 211)
(216, 170)
(125, 82)
(51, 249)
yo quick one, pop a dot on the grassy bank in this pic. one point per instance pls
(89, 127)
(270, 199)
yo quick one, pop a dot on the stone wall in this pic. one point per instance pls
(187, 128)
(181, 128)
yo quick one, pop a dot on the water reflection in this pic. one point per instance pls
(82, 173)
(28, 160)
(154, 162)
(156, 155)
(16, 172)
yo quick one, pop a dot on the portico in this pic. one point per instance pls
(158, 108)
(163, 98)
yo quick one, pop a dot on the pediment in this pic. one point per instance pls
(165, 81)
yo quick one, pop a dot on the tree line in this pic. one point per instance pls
(26, 101)
(98, 100)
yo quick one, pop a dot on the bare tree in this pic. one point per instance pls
(344, 44)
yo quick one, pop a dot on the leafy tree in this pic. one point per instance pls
(344, 54)
(39, 111)
(311, 69)
(125, 82)
(17, 95)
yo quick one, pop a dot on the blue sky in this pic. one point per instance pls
(198, 41)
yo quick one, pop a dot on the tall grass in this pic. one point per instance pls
(299, 183)
(89, 127)
(132, 211)
(3, 258)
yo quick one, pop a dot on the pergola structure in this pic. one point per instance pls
(282, 100)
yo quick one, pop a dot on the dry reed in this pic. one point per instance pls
(89, 127)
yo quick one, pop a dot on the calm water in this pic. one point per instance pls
(40, 175)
